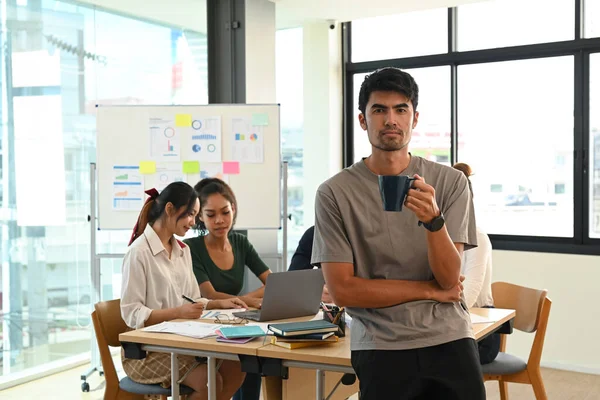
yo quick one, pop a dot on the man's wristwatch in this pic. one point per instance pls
(435, 225)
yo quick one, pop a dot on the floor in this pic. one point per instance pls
(560, 385)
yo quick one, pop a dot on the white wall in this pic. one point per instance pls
(323, 101)
(572, 283)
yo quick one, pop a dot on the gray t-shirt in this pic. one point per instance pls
(352, 227)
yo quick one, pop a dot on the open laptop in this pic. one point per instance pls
(289, 294)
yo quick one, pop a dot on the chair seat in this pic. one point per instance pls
(131, 386)
(504, 364)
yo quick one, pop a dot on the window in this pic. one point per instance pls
(63, 60)
(289, 90)
(594, 166)
(404, 35)
(431, 137)
(591, 18)
(511, 129)
(502, 23)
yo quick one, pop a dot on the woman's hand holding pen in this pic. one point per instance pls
(191, 311)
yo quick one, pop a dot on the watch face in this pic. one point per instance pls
(437, 223)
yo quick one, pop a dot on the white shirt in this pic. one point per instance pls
(477, 269)
(152, 281)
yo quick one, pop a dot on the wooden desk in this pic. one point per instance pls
(176, 344)
(336, 357)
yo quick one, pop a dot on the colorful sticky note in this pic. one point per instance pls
(147, 167)
(231, 167)
(183, 120)
(191, 167)
(260, 119)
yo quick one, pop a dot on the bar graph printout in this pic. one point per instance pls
(128, 188)
(165, 139)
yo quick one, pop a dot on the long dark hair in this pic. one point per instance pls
(209, 186)
(180, 194)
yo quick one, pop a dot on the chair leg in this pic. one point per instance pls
(503, 390)
(538, 385)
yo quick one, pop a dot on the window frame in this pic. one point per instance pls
(579, 48)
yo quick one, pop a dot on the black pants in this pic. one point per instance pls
(489, 348)
(449, 371)
(250, 389)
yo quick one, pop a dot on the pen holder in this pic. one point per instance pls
(337, 317)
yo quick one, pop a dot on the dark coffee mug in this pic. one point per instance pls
(393, 189)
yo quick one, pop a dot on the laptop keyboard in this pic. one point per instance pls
(253, 315)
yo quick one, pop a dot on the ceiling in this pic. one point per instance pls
(292, 13)
(191, 14)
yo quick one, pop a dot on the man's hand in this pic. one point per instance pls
(451, 295)
(326, 297)
(190, 311)
(421, 200)
(227, 303)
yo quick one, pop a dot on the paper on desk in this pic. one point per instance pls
(478, 319)
(198, 330)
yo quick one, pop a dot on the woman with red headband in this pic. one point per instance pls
(157, 272)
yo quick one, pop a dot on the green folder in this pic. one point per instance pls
(236, 332)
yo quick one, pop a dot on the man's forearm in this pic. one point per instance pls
(444, 258)
(379, 293)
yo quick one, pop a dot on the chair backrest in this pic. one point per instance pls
(525, 301)
(111, 322)
(108, 324)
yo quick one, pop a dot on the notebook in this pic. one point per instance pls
(317, 337)
(302, 328)
(300, 344)
(236, 332)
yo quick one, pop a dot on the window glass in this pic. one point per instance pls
(594, 167)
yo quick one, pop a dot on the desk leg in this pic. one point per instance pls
(320, 395)
(174, 376)
(273, 387)
(212, 378)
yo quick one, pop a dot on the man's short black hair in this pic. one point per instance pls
(388, 79)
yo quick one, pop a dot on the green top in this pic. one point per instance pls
(232, 280)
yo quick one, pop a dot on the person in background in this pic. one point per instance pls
(301, 258)
(477, 286)
(157, 271)
(220, 257)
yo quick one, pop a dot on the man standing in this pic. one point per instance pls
(398, 273)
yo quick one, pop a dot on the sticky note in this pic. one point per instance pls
(231, 167)
(191, 167)
(183, 120)
(260, 119)
(147, 167)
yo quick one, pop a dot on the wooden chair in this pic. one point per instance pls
(532, 311)
(108, 324)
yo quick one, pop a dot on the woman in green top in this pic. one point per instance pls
(219, 255)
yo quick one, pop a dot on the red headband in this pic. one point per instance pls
(152, 195)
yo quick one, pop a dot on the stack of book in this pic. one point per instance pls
(295, 335)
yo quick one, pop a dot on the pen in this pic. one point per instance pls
(188, 299)
(338, 316)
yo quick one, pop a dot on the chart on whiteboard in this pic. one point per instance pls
(247, 144)
(165, 140)
(205, 140)
(128, 188)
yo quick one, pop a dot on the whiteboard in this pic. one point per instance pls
(130, 140)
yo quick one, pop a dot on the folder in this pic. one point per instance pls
(237, 332)
(302, 328)
(300, 344)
